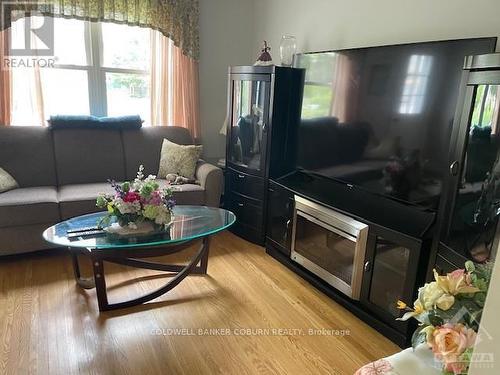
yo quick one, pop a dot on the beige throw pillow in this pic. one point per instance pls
(178, 159)
(7, 182)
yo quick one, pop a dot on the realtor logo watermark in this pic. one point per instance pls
(33, 44)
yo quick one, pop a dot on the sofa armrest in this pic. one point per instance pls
(211, 179)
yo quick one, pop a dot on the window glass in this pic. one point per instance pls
(128, 94)
(69, 42)
(317, 101)
(486, 106)
(115, 82)
(319, 80)
(23, 100)
(125, 46)
(65, 92)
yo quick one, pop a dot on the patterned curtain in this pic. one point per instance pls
(176, 19)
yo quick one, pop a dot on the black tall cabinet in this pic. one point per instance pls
(469, 213)
(263, 105)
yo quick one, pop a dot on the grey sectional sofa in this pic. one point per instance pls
(60, 173)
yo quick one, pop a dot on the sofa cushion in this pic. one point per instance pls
(26, 152)
(25, 206)
(143, 146)
(24, 238)
(80, 199)
(178, 159)
(186, 194)
(88, 155)
(7, 182)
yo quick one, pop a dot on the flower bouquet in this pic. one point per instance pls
(449, 310)
(137, 207)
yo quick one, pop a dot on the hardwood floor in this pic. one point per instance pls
(50, 326)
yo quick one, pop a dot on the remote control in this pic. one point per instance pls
(82, 230)
(89, 233)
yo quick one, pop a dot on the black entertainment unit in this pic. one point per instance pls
(395, 261)
(350, 200)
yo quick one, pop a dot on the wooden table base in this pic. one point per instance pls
(197, 265)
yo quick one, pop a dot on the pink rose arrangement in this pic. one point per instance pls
(449, 311)
(138, 201)
(452, 344)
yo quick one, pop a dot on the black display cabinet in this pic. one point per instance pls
(263, 103)
(468, 217)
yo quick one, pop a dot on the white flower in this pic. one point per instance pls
(163, 216)
(127, 207)
(431, 295)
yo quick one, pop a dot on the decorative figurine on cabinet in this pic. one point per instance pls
(264, 58)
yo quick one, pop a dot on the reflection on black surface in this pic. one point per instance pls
(473, 227)
(247, 122)
(381, 118)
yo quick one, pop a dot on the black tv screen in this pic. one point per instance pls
(380, 118)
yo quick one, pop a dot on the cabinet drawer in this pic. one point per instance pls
(248, 233)
(246, 210)
(245, 184)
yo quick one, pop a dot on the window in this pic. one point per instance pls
(415, 85)
(486, 106)
(318, 86)
(101, 69)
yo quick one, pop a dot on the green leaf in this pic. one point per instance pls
(469, 266)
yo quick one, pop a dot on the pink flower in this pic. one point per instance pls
(155, 199)
(458, 274)
(449, 342)
(379, 367)
(131, 196)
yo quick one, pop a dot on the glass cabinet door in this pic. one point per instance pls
(389, 276)
(249, 114)
(472, 227)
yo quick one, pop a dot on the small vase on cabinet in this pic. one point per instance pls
(288, 47)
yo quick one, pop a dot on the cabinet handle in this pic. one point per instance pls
(454, 168)
(368, 266)
(241, 176)
(288, 222)
(240, 204)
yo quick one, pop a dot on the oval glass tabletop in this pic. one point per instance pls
(189, 223)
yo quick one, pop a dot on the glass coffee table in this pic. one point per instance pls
(190, 224)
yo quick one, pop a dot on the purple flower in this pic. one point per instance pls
(118, 188)
(170, 203)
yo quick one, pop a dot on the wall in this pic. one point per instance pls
(333, 24)
(225, 39)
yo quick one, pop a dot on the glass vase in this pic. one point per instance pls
(288, 47)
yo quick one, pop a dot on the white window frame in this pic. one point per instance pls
(96, 71)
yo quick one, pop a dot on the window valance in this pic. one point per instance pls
(176, 19)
